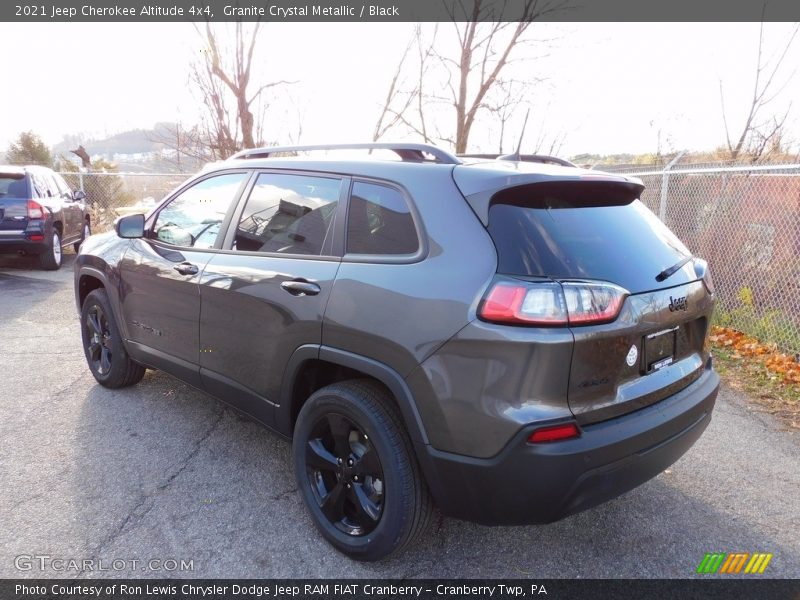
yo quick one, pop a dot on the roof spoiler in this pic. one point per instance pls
(607, 188)
(534, 158)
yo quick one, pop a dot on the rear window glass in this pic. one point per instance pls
(12, 186)
(568, 235)
(379, 221)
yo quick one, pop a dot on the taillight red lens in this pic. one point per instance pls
(593, 302)
(35, 210)
(554, 433)
(535, 304)
(37, 237)
(550, 303)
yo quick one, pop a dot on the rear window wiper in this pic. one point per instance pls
(669, 272)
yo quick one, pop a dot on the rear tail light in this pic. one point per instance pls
(535, 304)
(35, 210)
(703, 272)
(593, 302)
(554, 433)
(37, 237)
(550, 303)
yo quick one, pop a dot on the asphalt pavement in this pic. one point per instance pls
(99, 479)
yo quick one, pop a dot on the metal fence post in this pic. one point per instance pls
(80, 179)
(662, 204)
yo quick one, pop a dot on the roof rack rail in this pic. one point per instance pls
(537, 158)
(408, 152)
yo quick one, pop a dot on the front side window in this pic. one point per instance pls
(288, 214)
(63, 188)
(193, 218)
(379, 221)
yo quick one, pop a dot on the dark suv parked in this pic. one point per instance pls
(39, 214)
(511, 341)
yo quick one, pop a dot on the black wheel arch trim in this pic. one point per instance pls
(111, 291)
(382, 373)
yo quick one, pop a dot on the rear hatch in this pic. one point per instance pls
(593, 229)
(13, 202)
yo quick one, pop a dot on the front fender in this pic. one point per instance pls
(90, 264)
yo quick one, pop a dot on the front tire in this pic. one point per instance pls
(50, 259)
(87, 231)
(356, 470)
(102, 344)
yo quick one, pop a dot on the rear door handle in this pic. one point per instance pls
(300, 287)
(186, 268)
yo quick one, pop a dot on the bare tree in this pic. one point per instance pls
(235, 106)
(186, 146)
(81, 153)
(405, 99)
(390, 117)
(461, 77)
(758, 134)
(484, 51)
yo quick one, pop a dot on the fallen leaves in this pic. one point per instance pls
(785, 367)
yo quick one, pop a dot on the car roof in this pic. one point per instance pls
(22, 169)
(477, 174)
(393, 170)
(12, 170)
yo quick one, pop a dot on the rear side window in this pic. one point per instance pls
(44, 185)
(13, 186)
(582, 230)
(379, 221)
(289, 214)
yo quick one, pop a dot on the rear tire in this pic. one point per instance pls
(87, 231)
(102, 344)
(50, 259)
(356, 470)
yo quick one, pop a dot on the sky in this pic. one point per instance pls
(604, 87)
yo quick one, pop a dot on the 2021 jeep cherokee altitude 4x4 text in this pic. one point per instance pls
(511, 341)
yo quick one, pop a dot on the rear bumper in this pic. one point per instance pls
(541, 483)
(21, 243)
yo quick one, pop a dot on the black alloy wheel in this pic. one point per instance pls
(102, 344)
(345, 474)
(98, 334)
(357, 472)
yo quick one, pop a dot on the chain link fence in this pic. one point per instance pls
(110, 195)
(745, 220)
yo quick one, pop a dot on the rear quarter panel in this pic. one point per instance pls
(399, 314)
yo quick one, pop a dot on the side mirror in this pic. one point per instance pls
(130, 226)
(78, 195)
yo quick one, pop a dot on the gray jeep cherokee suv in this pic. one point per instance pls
(509, 340)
